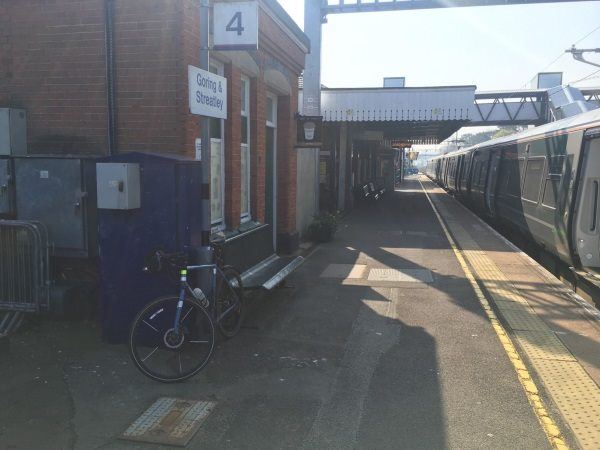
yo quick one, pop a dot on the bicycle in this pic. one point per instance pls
(173, 338)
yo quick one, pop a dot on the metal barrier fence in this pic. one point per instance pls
(24, 266)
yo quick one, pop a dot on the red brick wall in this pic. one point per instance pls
(148, 75)
(190, 51)
(286, 163)
(258, 117)
(53, 65)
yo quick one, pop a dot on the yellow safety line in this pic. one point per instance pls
(531, 391)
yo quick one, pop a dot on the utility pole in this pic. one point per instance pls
(578, 54)
(311, 105)
(205, 254)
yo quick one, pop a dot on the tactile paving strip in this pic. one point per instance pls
(516, 306)
(577, 397)
(543, 345)
(574, 392)
(523, 320)
(169, 421)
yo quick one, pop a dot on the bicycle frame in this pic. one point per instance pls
(185, 287)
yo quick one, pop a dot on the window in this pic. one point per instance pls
(482, 173)
(476, 172)
(245, 151)
(271, 111)
(217, 168)
(513, 174)
(551, 189)
(533, 179)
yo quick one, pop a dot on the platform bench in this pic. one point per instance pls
(253, 255)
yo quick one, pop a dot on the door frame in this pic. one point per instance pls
(273, 124)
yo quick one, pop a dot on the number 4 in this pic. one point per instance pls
(235, 24)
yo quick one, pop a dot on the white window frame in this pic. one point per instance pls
(219, 223)
(246, 148)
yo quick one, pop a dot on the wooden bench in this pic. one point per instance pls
(252, 253)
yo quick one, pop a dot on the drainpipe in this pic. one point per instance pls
(109, 50)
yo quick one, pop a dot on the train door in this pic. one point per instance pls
(587, 227)
(492, 181)
(461, 167)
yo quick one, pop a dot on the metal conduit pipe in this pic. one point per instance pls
(109, 49)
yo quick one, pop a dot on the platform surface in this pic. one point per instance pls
(558, 339)
(381, 341)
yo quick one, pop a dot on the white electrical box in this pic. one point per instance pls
(13, 132)
(118, 185)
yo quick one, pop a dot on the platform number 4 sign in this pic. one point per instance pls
(235, 25)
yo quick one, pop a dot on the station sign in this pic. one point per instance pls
(235, 25)
(400, 144)
(208, 93)
(310, 131)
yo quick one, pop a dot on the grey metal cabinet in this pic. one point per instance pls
(61, 194)
(6, 188)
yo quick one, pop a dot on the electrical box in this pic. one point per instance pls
(13, 132)
(61, 194)
(118, 185)
(6, 188)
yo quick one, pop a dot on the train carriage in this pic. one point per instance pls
(543, 182)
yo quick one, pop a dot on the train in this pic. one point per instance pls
(542, 184)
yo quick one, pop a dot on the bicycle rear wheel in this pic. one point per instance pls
(164, 355)
(230, 294)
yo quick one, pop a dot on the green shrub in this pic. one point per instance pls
(323, 227)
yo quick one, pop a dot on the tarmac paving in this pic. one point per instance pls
(380, 342)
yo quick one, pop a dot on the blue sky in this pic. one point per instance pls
(496, 47)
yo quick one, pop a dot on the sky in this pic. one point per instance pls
(493, 47)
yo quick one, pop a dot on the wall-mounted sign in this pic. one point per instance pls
(208, 93)
(401, 144)
(235, 26)
(310, 131)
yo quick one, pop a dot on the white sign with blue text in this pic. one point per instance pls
(208, 93)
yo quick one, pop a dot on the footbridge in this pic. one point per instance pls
(530, 106)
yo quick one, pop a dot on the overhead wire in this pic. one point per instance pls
(586, 77)
(562, 54)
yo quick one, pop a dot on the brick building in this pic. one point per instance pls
(102, 76)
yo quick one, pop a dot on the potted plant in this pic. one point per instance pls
(323, 227)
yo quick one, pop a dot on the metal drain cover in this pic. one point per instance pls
(401, 275)
(169, 421)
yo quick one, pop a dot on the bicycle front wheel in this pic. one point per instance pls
(164, 354)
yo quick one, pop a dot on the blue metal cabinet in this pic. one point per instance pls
(169, 217)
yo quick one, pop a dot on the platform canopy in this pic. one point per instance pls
(422, 115)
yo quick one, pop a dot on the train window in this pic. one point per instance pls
(482, 174)
(595, 205)
(476, 172)
(533, 179)
(550, 192)
(513, 181)
(551, 189)
(556, 164)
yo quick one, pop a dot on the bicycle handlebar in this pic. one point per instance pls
(154, 262)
